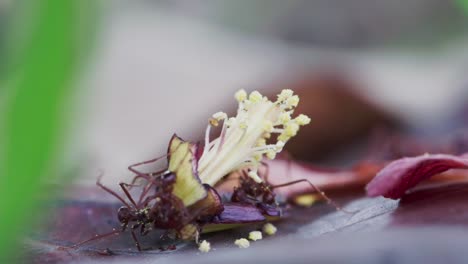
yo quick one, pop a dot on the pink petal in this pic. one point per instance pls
(402, 174)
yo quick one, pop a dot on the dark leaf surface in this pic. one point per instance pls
(416, 229)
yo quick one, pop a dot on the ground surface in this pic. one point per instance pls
(427, 226)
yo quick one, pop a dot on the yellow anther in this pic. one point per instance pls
(261, 142)
(255, 97)
(213, 122)
(285, 94)
(268, 126)
(257, 157)
(302, 120)
(240, 95)
(271, 154)
(283, 137)
(291, 129)
(293, 101)
(284, 117)
(219, 116)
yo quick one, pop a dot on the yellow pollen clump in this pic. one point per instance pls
(255, 235)
(204, 246)
(269, 229)
(271, 154)
(258, 157)
(285, 94)
(219, 116)
(306, 200)
(284, 118)
(283, 137)
(261, 142)
(255, 97)
(291, 129)
(293, 101)
(241, 95)
(268, 126)
(302, 120)
(242, 243)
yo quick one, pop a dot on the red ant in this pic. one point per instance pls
(157, 206)
(262, 195)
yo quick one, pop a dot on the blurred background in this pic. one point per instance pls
(135, 72)
(163, 67)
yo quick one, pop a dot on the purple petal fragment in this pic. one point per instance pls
(235, 215)
(400, 175)
(239, 213)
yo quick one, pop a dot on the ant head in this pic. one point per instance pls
(269, 196)
(125, 214)
(166, 181)
(168, 177)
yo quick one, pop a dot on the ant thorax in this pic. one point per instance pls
(256, 193)
(158, 205)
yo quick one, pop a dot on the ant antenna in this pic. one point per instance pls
(316, 189)
(124, 188)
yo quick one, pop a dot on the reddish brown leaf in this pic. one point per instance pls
(400, 175)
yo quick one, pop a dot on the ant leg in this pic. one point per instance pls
(122, 185)
(148, 199)
(98, 183)
(135, 239)
(144, 193)
(143, 231)
(197, 237)
(132, 167)
(145, 175)
(97, 237)
(141, 174)
(320, 192)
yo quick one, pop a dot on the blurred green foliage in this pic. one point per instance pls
(464, 5)
(45, 43)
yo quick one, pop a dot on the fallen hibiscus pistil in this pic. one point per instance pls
(243, 139)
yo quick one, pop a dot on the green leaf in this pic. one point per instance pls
(44, 44)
